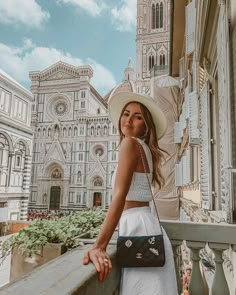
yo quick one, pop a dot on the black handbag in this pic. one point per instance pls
(141, 251)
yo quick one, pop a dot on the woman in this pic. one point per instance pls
(139, 121)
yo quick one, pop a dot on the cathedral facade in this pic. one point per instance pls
(74, 150)
(152, 41)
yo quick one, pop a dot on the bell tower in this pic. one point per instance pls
(152, 41)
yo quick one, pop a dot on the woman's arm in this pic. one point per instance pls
(128, 159)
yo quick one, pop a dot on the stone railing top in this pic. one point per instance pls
(200, 232)
(64, 275)
(67, 274)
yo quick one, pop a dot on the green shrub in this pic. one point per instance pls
(66, 230)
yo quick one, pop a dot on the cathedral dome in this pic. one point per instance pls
(128, 84)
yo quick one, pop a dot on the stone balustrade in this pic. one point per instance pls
(218, 238)
(67, 275)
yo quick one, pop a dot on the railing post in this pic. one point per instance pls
(234, 249)
(197, 285)
(175, 247)
(219, 285)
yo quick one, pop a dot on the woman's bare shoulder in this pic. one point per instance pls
(129, 144)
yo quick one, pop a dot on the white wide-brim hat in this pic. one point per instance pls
(117, 102)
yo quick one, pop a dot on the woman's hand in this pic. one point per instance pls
(101, 261)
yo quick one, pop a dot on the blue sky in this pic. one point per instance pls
(34, 34)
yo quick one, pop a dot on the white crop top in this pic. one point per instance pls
(139, 188)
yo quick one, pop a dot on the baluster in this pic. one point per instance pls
(197, 284)
(219, 285)
(175, 247)
(234, 249)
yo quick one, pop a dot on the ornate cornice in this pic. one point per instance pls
(61, 67)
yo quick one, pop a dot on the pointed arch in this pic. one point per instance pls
(153, 16)
(161, 60)
(69, 131)
(75, 131)
(161, 15)
(157, 16)
(164, 60)
(64, 131)
(150, 62)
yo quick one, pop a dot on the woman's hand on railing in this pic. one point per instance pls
(101, 261)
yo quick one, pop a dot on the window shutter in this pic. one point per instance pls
(186, 99)
(205, 147)
(194, 136)
(184, 161)
(190, 23)
(181, 72)
(181, 125)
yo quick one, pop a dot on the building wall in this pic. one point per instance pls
(15, 147)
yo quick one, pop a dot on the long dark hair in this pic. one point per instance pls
(150, 139)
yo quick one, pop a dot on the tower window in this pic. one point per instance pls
(151, 62)
(157, 15)
(153, 16)
(161, 15)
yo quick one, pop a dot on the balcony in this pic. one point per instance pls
(67, 275)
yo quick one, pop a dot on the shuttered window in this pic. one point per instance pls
(190, 24)
(205, 147)
(194, 135)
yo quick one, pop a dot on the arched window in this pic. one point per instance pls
(39, 131)
(105, 130)
(20, 152)
(150, 63)
(92, 131)
(70, 131)
(44, 132)
(157, 16)
(79, 177)
(164, 60)
(49, 132)
(75, 131)
(161, 15)
(64, 131)
(112, 172)
(161, 60)
(153, 16)
(4, 150)
(114, 131)
(98, 130)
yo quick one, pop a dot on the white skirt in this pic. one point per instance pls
(146, 280)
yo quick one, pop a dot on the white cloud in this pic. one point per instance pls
(102, 79)
(93, 7)
(24, 12)
(18, 61)
(124, 16)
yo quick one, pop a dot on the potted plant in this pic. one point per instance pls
(43, 240)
